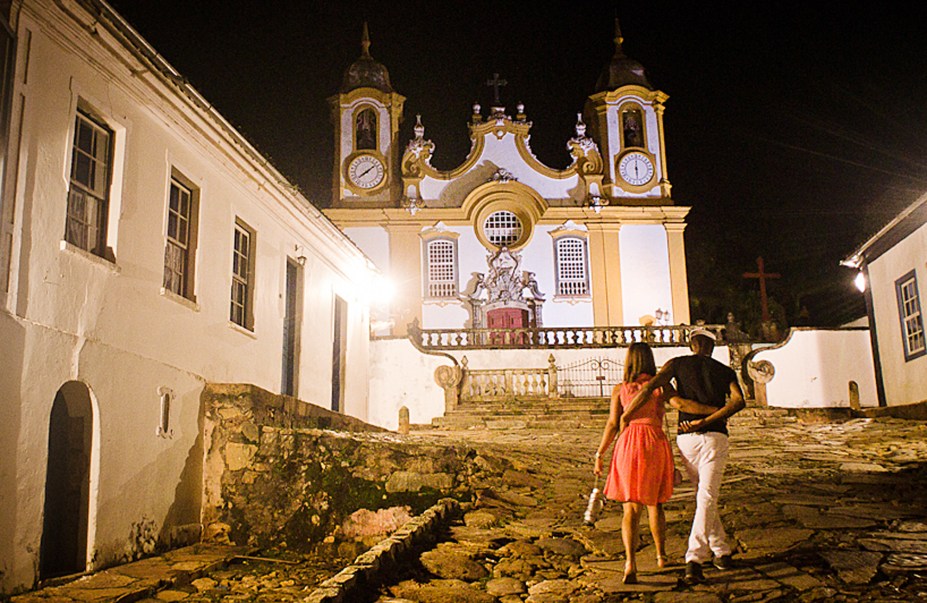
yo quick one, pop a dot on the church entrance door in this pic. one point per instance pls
(67, 483)
(506, 318)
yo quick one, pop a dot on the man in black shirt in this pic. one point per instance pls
(702, 440)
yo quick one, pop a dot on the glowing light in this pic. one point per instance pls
(371, 287)
(860, 282)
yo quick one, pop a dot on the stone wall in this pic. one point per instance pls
(280, 472)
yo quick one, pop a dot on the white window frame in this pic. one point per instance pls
(181, 237)
(441, 276)
(910, 317)
(572, 273)
(90, 180)
(241, 307)
(503, 228)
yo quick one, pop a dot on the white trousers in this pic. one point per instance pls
(705, 456)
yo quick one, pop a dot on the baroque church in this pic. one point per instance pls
(503, 240)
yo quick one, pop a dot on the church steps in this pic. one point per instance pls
(521, 414)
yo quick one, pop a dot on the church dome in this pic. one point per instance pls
(621, 71)
(366, 72)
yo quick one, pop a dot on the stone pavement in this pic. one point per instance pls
(819, 512)
(135, 581)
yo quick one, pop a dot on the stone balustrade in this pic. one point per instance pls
(553, 337)
(492, 385)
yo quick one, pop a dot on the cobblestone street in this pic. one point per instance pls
(820, 512)
(830, 511)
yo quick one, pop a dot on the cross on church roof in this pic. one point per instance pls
(495, 83)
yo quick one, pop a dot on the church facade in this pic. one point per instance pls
(502, 240)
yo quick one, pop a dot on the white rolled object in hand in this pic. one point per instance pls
(593, 507)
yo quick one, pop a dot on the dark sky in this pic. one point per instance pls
(794, 129)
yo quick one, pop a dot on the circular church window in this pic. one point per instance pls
(503, 228)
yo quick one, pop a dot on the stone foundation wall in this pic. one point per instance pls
(279, 472)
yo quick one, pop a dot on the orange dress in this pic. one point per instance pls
(642, 464)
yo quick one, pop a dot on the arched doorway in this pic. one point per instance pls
(67, 483)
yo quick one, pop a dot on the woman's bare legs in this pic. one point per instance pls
(657, 519)
(630, 525)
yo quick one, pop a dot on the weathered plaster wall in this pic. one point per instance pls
(72, 316)
(814, 367)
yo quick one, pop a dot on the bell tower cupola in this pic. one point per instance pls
(366, 114)
(626, 114)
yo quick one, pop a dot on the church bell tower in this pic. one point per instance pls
(366, 114)
(626, 114)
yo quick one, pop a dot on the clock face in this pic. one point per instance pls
(635, 168)
(366, 171)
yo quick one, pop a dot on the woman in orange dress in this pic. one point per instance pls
(641, 472)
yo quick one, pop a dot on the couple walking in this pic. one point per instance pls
(706, 393)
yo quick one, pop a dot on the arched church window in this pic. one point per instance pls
(503, 228)
(572, 267)
(632, 127)
(441, 271)
(365, 130)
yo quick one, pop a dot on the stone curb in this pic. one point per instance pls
(384, 555)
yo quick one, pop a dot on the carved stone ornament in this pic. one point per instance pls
(448, 376)
(418, 152)
(585, 151)
(503, 175)
(504, 282)
(761, 371)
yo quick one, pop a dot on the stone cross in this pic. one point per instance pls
(762, 275)
(495, 83)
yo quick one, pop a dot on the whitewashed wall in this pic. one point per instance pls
(905, 381)
(814, 367)
(72, 316)
(645, 278)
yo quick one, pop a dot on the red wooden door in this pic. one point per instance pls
(508, 319)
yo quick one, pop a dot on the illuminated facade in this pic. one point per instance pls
(503, 240)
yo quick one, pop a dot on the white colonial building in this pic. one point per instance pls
(892, 268)
(146, 249)
(502, 240)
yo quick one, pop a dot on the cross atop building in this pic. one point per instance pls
(495, 83)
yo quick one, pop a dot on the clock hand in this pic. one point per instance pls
(361, 175)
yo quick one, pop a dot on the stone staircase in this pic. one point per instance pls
(563, 413)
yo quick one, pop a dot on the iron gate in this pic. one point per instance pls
(592, 378)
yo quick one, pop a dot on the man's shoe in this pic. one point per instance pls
(694, 573)
(723, 563)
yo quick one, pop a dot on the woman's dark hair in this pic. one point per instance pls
(639, 361)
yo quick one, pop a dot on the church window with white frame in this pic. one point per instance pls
(503, 228)
(88, 193)
(572, 267)
(909, 310)
(441, 269)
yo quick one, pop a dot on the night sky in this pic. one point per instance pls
(794, 130)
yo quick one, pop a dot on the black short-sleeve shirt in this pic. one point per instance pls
(705, 380)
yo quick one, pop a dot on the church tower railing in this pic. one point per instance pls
(428, 340)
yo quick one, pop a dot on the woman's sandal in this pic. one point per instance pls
(629, 578)
(661, 561)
